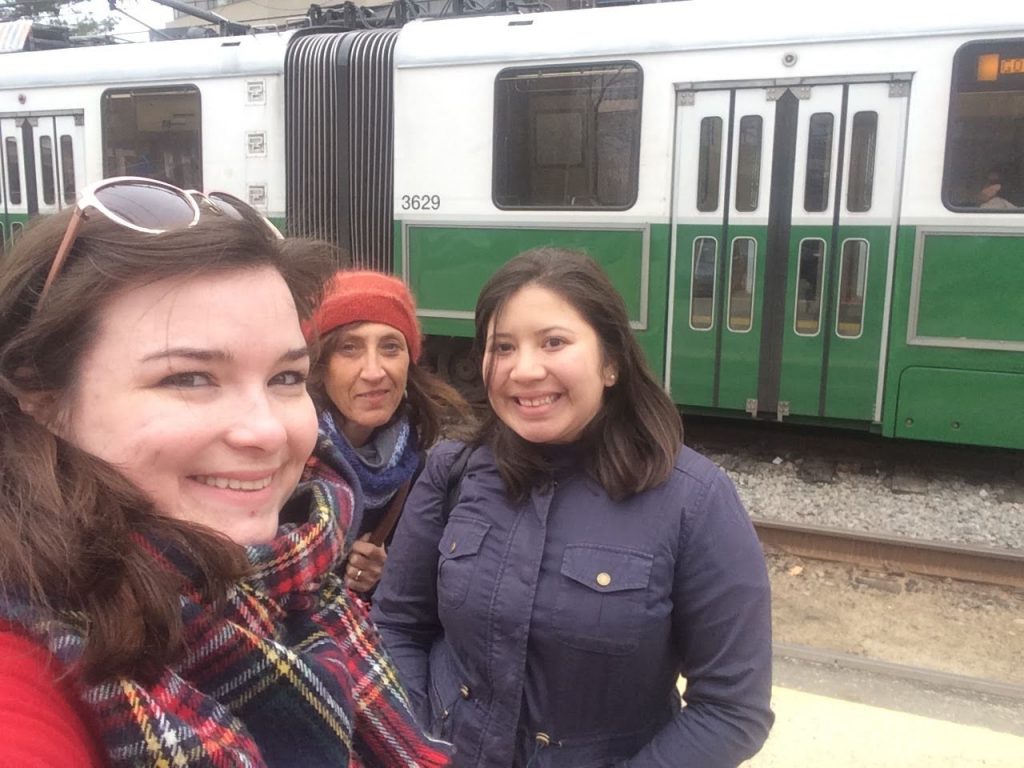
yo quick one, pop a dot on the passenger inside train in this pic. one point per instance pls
(991, 194)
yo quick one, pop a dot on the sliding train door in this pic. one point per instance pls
(784, 214)
(41, 164)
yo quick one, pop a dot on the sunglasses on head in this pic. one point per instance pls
(151, 207)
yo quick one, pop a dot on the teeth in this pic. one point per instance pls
(536, 402)
(234, 485)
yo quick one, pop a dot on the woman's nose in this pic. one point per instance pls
(372, 368)
(258, 425)
(527, 366)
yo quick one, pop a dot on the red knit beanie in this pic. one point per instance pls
(363, 296)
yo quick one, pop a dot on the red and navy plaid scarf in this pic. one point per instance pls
(291, 674)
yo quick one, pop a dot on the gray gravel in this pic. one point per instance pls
(864, 496)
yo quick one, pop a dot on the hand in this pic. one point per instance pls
(988, 192)
(365, 565)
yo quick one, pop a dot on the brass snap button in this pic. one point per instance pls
(603, 579)
(452, 547)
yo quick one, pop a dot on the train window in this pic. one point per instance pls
(46, 169)
(853, 280)
(702, 283)
(819, 162)
(567, 137)
(741, 283)
(863, 137)
(807, 315)
(67, 168)
(13, 174)
(748, 163)
(709, 163)
(153, 132)
(984, 164)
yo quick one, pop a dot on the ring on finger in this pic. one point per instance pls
(359, 574)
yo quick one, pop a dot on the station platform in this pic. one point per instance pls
(829, 717)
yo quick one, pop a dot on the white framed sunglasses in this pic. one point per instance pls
(151, 207)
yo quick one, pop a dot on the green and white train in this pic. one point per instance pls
(812, 215)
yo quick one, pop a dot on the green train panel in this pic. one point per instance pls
(446, 266)
(956, 371)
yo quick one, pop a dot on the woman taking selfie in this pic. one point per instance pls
(380, 410)
(587, 561)
(166, 592)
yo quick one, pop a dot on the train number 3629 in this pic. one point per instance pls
(421, 202)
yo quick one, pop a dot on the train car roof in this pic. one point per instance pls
(168, 60)
(691, 25)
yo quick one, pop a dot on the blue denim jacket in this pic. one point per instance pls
(554, 632)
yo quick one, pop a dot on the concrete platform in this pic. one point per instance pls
(829, 717)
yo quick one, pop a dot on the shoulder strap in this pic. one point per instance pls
(454, 484)
(387, 523)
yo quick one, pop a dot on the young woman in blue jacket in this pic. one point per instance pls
(588, 561)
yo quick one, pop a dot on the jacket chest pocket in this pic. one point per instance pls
(458, 555)
(601, 598)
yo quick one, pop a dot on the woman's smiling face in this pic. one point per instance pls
(544, 367)
(195, 389)
(366, 377)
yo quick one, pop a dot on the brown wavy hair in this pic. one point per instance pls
(632, 443)
(69, 522)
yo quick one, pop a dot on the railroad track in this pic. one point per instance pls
(963, 562)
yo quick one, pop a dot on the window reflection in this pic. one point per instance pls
(702, 283)
(984, 164)
(46, 169)
(748, 163)
(741, 283)
(819, 162)
(709, 164)
(807, 317)
(853, 280)
(863, 137)
(567, 137)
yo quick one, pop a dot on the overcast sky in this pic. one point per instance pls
(151, 13)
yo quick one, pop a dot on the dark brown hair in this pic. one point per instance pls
(632, 442)
(435, 406)
(70, 524)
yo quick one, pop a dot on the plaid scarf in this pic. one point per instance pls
(292, 673)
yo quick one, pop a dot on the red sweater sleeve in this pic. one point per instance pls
(39, 721)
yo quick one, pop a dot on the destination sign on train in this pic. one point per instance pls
(992, 66)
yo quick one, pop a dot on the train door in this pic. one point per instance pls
(784, 215)
(13, 187)
(42, 161)
(59, 161)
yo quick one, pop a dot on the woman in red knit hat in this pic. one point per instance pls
(380, 410)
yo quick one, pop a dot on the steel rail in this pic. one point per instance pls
(985, 565)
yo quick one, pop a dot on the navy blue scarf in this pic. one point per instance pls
(378, 484)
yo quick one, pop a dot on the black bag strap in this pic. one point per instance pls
(454, 484)
(387, 524)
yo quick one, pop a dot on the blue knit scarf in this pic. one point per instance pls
(379, 484)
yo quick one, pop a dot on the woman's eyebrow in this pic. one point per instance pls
(217, 355)
(190, 353)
